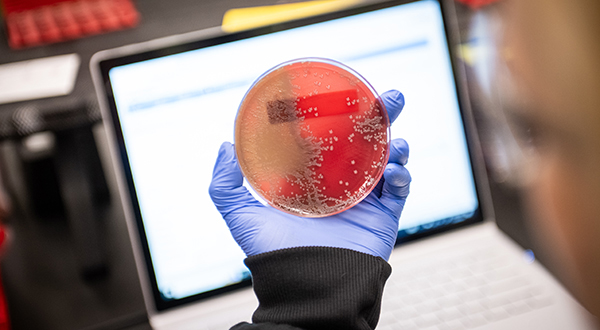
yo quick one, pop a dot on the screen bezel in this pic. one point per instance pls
(218, 37)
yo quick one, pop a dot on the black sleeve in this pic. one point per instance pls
(316, 288)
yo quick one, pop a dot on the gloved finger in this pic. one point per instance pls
(394, 103)
(395, 188)
(226, 188)
(399, 152)
(399, 155)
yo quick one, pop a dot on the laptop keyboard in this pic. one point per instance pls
(467, 291)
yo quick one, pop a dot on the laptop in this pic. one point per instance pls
(168, 104)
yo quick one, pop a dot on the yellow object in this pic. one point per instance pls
(468, 53)
(239, 19)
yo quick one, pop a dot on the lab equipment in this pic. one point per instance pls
(312, 137)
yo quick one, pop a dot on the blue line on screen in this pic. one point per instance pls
(235, 84)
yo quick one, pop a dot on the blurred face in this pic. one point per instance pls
(554, 48)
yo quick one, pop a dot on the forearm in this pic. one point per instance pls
(317, 288)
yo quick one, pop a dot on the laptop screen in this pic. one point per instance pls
(172, 108)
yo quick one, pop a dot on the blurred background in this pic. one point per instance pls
(66, 261)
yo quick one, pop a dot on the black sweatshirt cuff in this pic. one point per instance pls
(318, 287)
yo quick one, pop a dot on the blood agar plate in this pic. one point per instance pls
(312, 137)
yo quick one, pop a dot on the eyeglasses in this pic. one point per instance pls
(509, 137)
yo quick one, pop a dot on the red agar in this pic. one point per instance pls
(312, 137)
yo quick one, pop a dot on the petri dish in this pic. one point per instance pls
(312, 137)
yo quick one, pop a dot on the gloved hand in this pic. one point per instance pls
(371, 226)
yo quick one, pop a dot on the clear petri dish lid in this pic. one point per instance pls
(312, 137)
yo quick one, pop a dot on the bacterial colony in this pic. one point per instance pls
(312, 138)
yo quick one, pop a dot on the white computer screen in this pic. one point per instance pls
(176, 110)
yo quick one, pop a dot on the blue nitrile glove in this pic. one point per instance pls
(371, 226)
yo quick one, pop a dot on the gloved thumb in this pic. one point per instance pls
(226, 188)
